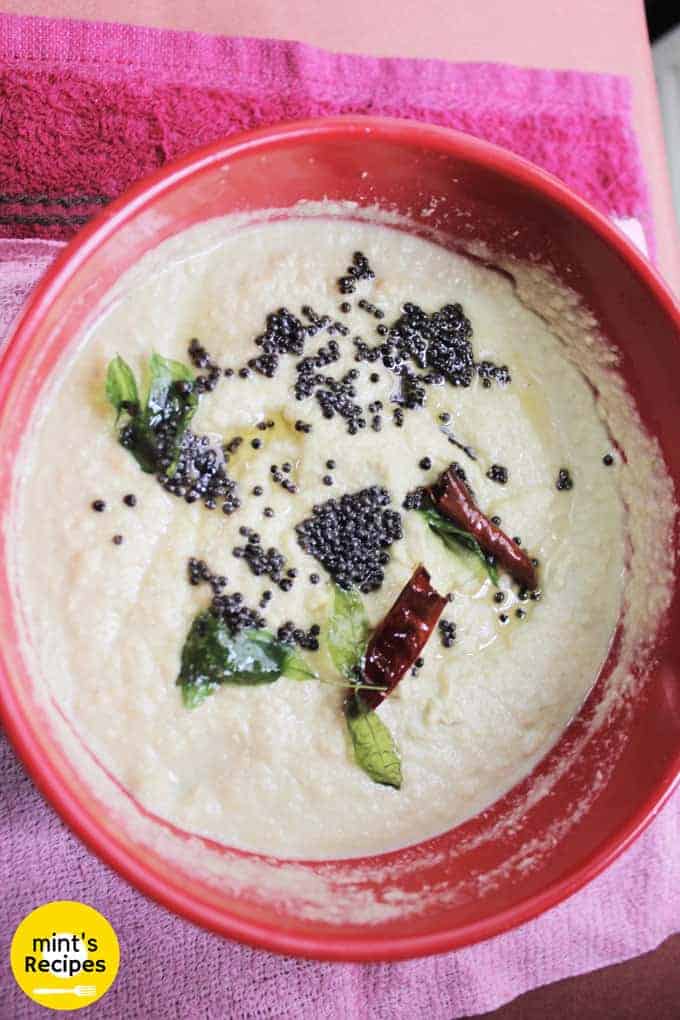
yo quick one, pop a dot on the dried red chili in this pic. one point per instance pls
(453, 499)
(398, 640)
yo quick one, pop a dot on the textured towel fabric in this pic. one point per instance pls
(85, 110)
(89, 108)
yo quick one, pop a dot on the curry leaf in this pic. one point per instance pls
(374, 747)
(156, 431)
(347, 631)
(213, 654)
(193, 695)
(171, 403)
(295, 667)
(457, 540)
(166, 401)
(121, 388)
(142, 443)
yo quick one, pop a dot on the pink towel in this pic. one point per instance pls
(85, 110)
(89, 108)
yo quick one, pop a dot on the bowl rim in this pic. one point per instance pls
(326, 945)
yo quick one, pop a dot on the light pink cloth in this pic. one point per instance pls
(84, 110)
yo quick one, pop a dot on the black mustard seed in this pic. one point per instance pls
(498, 473)
(564, 480)
(350, 537)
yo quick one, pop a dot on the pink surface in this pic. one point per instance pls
(609, 35)
(626, 911)
(91, 108)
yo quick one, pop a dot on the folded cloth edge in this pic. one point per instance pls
(131, 48)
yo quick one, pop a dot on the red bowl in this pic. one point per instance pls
(469, 883)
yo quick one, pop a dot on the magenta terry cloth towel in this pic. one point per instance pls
(85, 110)
(89, 108)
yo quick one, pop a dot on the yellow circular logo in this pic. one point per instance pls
(65, 955)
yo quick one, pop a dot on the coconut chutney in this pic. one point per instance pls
(110, 592)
